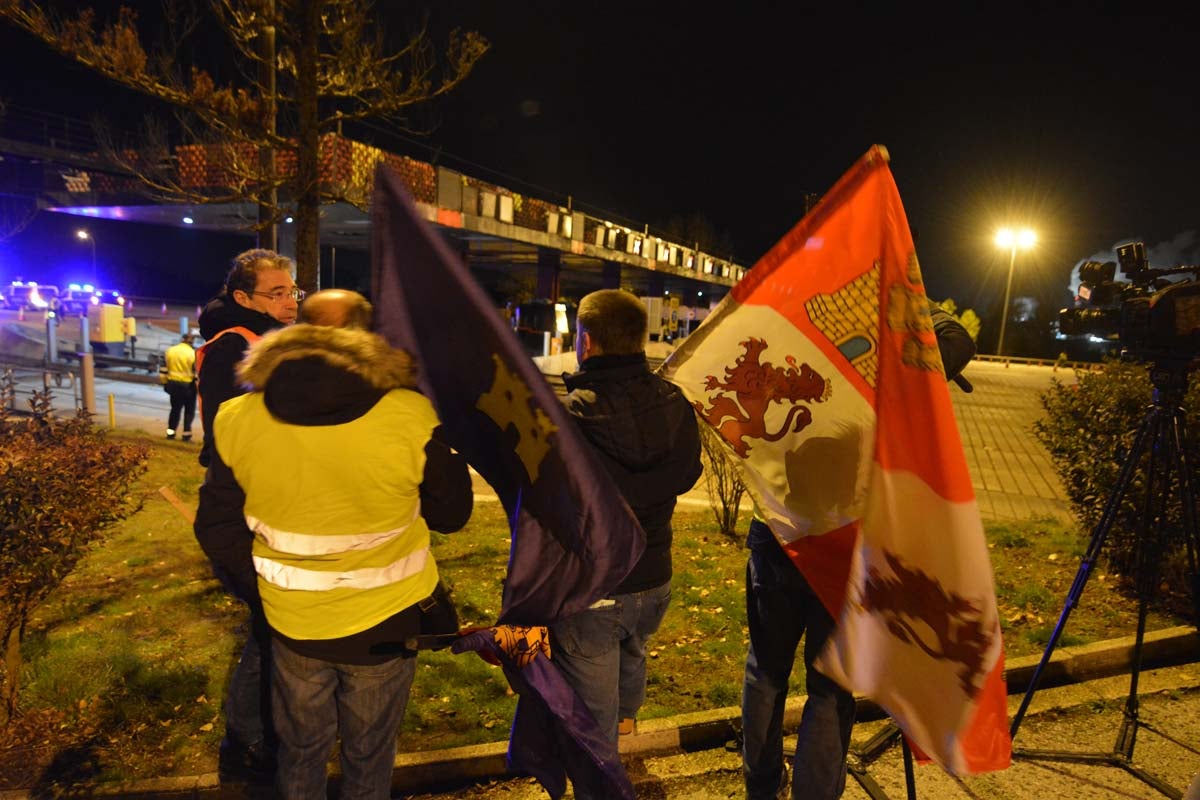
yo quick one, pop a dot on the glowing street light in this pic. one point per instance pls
(1012, 241)
(82, 234)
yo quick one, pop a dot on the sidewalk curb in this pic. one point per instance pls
(443, 769)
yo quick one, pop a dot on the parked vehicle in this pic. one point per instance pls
(78, 298)
(30, 295)
(75, 300)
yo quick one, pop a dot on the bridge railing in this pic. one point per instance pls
(47, 128)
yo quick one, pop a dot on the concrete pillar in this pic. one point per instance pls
(612, 275)
(549, 265)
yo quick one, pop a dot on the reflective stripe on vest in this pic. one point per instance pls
(308, 580)
(309, 544)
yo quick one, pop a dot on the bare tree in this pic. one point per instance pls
(723, 481)
(303, 68)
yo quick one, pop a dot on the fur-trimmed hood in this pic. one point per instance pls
(316, 375)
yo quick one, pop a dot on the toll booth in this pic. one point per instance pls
(106, 329)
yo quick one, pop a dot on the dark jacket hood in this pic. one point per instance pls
(223, 312)
(318, 375)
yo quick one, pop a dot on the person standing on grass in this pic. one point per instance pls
(180, 361)
(781, 608)
(260, 295)
(325, 480)
(645, 434)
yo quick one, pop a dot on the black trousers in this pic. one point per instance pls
(183, 401)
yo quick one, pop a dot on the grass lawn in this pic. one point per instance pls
(126, 664)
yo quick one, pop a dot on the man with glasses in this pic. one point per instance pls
(259, 295)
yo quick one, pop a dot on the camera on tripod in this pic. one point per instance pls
(1147, 314)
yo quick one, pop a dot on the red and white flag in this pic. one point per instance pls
(821, 372)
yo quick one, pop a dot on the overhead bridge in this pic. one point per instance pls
(558, 248)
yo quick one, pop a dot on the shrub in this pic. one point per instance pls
(61, 485)
(1089, 431)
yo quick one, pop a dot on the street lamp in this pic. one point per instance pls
(82, 234)
(1013, 241)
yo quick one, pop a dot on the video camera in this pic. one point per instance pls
(1149, 315)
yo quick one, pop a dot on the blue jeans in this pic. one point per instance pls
(602, 654)
(315, 701)
(780, 607)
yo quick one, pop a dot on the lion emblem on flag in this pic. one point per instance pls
(754, 385)
(917, 609)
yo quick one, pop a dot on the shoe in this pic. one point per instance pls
(170, 433)
(253, 763)
(626, 726)
(187, 436)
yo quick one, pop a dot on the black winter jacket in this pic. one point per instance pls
(956, 346)
(645, 433)
(217, 380)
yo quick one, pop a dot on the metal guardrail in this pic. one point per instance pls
(1085, 366)
(18, 380)
(150, 363)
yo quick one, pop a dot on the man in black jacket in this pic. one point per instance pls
(259, 295)
(644, 432)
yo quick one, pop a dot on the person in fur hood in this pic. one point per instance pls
(326, 479)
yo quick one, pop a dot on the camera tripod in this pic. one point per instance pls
(1162, 437)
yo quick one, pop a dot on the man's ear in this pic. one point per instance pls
(241, 298)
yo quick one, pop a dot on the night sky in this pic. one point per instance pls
(1078, 120)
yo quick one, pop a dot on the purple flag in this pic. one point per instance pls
(556, 731)
(574, 537)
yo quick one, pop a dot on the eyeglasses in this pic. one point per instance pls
(281, 294)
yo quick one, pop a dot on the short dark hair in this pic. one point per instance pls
(246, 266)
(616, 320)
